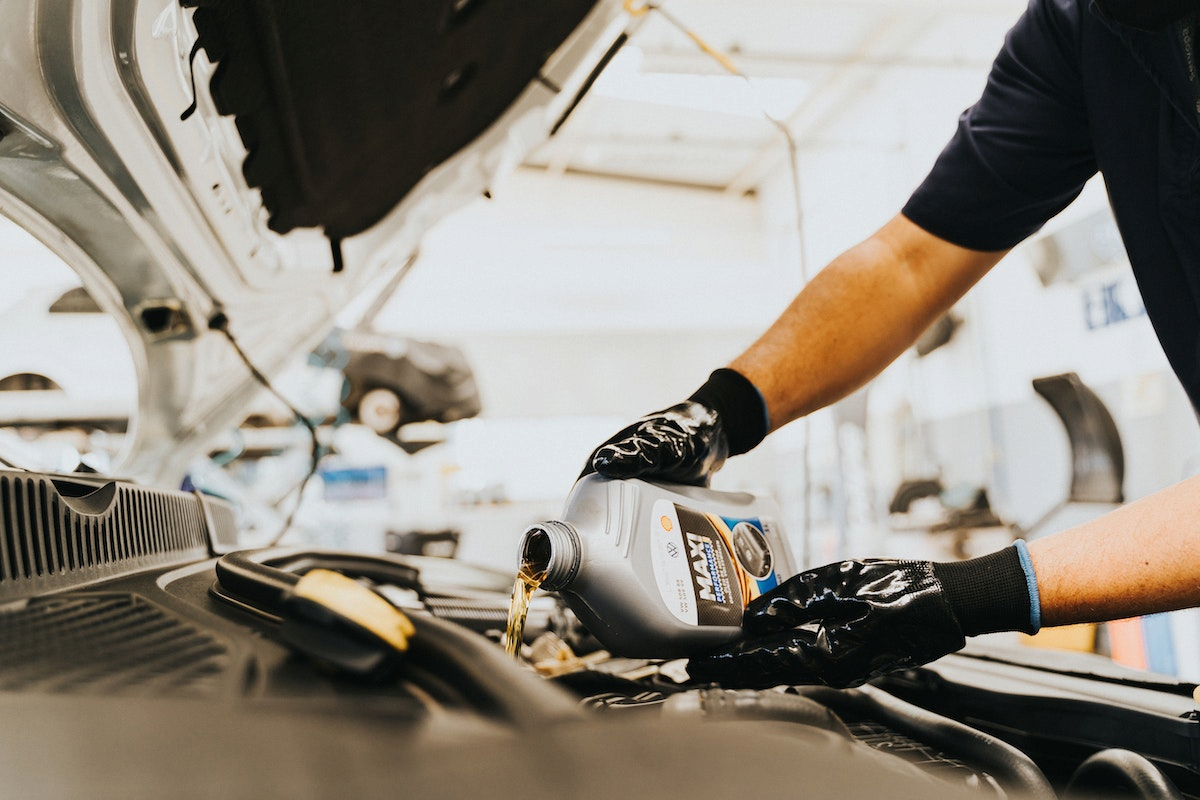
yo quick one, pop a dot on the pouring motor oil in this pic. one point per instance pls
(658, 570)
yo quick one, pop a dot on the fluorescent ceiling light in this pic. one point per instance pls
(624, 79)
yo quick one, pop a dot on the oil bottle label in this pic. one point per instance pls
(709, 567)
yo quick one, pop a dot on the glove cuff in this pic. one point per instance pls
(739, 405)
(989, 593)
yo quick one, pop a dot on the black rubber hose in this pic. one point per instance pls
(491, 681)
(244, 574)
(267, 576)
(1011, 768)
(488, 677)
(377, 568)
(725, 704)
(1119, 773)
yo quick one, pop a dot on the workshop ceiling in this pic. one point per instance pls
(840, 74)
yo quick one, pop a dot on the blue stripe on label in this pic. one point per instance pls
(768, 583)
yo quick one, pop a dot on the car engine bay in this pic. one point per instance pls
(147, 659)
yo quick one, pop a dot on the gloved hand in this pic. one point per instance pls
(681, 444)
(689, 441)
(846, 623)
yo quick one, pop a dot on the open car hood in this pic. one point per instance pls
(262, 163)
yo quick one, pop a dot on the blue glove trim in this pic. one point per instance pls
(1035, 601)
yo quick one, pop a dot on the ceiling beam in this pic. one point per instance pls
(841, 89)
(1010, 7)
(799, 65)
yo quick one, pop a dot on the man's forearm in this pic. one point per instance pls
(856, 316)
(1142, 558)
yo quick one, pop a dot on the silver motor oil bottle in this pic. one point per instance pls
(659, 570)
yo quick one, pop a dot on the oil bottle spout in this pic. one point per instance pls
(552, 548)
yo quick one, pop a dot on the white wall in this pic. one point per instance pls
(577, 295)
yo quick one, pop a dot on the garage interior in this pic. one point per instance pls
(723, 155)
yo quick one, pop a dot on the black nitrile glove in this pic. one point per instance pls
(846, 623)
(689, 441)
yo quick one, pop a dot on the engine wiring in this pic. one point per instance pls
(220, 322)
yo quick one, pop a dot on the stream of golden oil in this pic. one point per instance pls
(528, 580)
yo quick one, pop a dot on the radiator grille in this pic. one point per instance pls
(57, 533)
(463, 610)
(222, 523)
(114, 644)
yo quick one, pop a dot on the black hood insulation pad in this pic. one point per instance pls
(344, 107)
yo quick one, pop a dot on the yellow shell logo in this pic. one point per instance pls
(665, 521)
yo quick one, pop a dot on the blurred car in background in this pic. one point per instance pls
(71, 361)
(67, 386)
(392, 381)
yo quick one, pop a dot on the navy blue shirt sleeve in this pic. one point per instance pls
(1023, 152)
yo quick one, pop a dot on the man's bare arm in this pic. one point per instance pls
(856, 316)
(1142, 558)
(872, 302)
